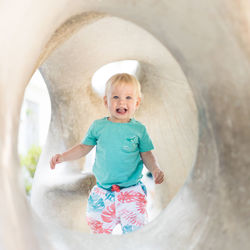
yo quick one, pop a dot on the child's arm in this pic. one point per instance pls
(74, 153)
(151, 164)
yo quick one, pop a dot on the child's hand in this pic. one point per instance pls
(55, 160)
(158, 176)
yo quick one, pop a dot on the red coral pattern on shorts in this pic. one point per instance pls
(131, 217)
(108, 215)
(97, 226)
(141, 203)
(126, 197)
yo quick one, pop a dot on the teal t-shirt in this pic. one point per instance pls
(118, 147)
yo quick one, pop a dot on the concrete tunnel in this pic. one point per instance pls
(194, 71)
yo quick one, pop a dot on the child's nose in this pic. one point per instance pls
(122, 101)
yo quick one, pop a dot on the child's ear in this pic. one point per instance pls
(105, 100)
(138, 102)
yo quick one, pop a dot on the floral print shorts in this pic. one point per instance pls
(125, 206)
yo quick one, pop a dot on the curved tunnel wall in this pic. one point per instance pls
(210, 211)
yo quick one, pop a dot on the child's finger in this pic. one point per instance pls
(158, 181)
(53, 162)
(58, 160)
(52, 166)
(159, 178)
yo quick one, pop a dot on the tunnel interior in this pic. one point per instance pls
(195, 106)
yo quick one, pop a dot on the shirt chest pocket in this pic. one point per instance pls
(130, 144)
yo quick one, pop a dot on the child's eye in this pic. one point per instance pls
(128, 97)
(115, 97)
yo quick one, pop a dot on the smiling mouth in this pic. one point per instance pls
(121, 110)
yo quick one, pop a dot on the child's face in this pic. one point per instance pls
(122, 102)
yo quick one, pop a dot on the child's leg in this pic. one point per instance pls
(101, 214)
(132, 207)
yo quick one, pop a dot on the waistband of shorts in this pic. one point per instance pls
(120, 187)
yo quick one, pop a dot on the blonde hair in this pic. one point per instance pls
(123, 78)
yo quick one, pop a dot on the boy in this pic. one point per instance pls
(122, 147)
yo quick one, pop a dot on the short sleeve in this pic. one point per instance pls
(90, 137)
(145, 142)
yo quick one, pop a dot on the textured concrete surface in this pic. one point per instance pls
(70, 40)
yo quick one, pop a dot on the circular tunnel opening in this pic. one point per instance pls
(33, 127)
(101, 76)
(184, 33)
